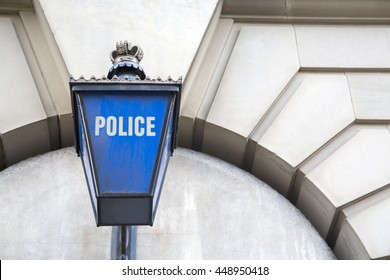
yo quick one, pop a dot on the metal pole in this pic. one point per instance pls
(122, 243)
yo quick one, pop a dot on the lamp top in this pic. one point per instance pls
(126, 51)
(125, 80)
(125, 69)
(125, 59)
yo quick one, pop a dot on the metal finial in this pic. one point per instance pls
(126, 51)
(125, 59)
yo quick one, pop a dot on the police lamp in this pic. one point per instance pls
(125, 128)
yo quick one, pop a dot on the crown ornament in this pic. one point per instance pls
(125, 59)
(126, 51)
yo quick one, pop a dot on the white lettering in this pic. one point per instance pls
(150, 126)
(111, 126)
(138, 130)
(138, 126)
(121, 132)
(100, 122)
(130, 131)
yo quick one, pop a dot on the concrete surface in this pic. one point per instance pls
(48, 213)
(169, 34)
(208, 210)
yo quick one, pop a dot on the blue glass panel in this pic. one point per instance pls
(126, 133)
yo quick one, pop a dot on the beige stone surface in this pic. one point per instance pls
(255, 7)
(322, 155)
(224, 144)
(21, 4)
(349, 246)
(330, 11)
(213, 85)
(196, 95)
(336, 10)
(23, 121)
(58, 92)
(20, 103)
(27, 141)
(358, 168)
(370, 95)
(263, 61)
(318, 110)
(169, 34)
(343, 46)
(369, 220)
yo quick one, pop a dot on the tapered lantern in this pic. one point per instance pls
(125, 132)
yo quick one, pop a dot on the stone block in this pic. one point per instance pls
(365, 230)
(17, 4)
(199, 85)
(357, 169)
(26, 141)
(20, 103)
(54, 93)
(321, 155)
(262, 63)
(23, 128)
(213, 84)
(343, 46)
(66, 130)
(335, 9)
(224, 144)
(348, 245)
(319, 109)
(370, 95)
(255, 8)
(185, 132)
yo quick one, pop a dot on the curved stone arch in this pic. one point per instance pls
(314, 117)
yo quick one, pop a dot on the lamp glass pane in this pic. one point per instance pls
(125, 132)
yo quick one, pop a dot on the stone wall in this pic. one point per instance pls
(303, 106)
